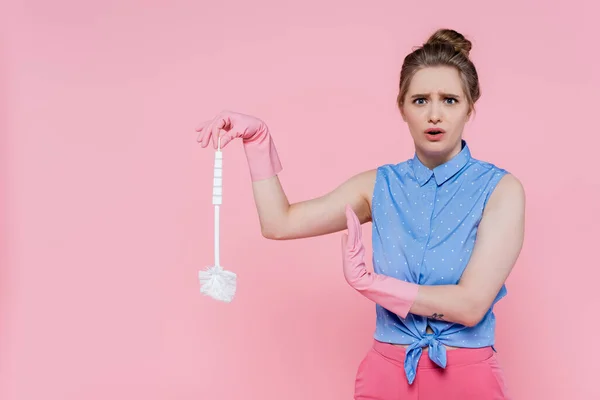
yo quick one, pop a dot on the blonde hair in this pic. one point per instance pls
(445, 47)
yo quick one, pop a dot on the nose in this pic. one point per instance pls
(435, 115)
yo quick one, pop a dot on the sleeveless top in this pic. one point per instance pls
(424, 227)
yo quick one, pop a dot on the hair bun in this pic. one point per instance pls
(453, 38)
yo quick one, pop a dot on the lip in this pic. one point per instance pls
(437, 137)
(435, 130)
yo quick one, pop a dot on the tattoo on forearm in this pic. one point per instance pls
(437, 316)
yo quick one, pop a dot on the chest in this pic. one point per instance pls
(426, 233)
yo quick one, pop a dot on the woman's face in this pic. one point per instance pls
(436, 110)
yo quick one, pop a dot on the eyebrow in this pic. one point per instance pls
(415, 96)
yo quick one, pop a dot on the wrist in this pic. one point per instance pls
(261, 153)
(393, 294)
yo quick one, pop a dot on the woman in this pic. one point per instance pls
(447, 230)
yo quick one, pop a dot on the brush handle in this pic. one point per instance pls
(217, 197)
(217, 258)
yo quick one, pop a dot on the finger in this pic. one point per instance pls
(216, 133)
(207, 133)
(202, 125)
(204, 137)
(352, 233)
(354, 230)
(344, 242)
(215, 130)
(226, 138)
(227, 123)
(201, 129)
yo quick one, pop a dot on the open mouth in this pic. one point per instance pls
(434, 134)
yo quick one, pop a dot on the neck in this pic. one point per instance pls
(433, 160)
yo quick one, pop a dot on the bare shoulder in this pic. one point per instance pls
(366, 183)
(508, 196)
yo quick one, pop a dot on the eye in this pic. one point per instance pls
(419, 100)
(452, 100)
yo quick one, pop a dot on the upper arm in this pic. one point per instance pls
(498, 243)
(326, 214)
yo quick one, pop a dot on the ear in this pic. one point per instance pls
(401, 108)
(469, 114)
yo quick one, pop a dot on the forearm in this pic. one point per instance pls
(452, 303)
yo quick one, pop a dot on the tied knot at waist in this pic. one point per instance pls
(436, 351)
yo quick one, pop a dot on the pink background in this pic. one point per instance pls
(108, 205)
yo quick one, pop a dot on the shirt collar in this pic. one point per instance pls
(442, 172)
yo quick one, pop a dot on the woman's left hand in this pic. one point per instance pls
(353, 254)
(393, 294)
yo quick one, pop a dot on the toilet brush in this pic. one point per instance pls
(215, 281)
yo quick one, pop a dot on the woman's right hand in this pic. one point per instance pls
(234, 124)
(261, 153)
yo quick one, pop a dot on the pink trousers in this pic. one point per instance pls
(469, 374)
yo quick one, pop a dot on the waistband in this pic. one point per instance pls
(454, 357)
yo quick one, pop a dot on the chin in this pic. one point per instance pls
(436, 149)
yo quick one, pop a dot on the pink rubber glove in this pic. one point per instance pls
(393, 294)
(261, 154)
